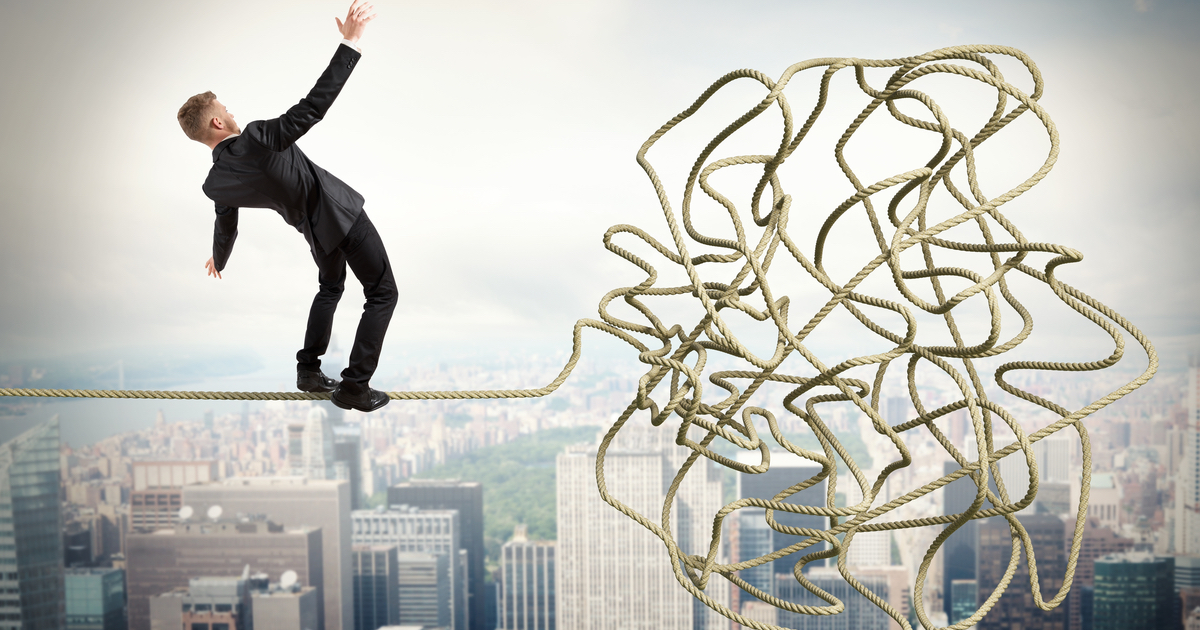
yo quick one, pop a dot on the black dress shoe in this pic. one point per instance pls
(368, 400)
(310, 381)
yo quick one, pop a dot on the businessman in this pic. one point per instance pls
(261, 167)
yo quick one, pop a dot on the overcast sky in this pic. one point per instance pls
(495, 141)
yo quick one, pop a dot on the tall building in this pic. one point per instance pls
(95, 599)
(961, 548)
(376, 586)
(318, 446)
(158, 490)
(757, 538)
(467, 498)
(31, 544)
(527, 599)
(1187, 488)
(296, 502)
(323, 448)
(611, 572)
(1097, 542)
(1015, 608)
(167, 559)
(347, 461)
(1134, 591)
(859, 613)
(425, 590)
(416, 531)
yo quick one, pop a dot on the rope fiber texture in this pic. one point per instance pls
(907, 226)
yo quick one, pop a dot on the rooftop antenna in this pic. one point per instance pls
(214, 513)
(186, 512)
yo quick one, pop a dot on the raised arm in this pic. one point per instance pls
(278, 134)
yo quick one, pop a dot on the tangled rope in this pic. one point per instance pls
(747, 285)
(683, 352)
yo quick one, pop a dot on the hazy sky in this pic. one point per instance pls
(494, 143)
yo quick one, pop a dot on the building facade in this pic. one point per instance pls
(417, 531)
(31, 544)
(296, 502)
(376, 586)
(1134, 591)
(467, 498)
(527, 596)
(168, 559)
(157, 494)
(612, 573)
(96, 599)
(1016, 608)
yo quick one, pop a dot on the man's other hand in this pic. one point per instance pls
(211, 265)
(356, 20)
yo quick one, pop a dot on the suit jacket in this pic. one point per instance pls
(263, 168)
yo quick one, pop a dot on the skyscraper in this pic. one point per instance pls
(527, 597)
(1134, 591)
(611, 572)
(376, 587)
(1015, 609)
(96, 599)
(1097, 542)
(296, 502)
(417, 531)
(1187, 489)
(31, 546)
(467, 498)
(757, 538)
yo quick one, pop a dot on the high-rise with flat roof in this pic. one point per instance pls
(416, 531)
(167, 559)
(527, 598)
(1016, 609)
(609, 568)
(1134, 591)
(31, 544)
(1187, 484)
(296, 502)
(467, 498)
(376, 587)
(757, 538)
(96, 599)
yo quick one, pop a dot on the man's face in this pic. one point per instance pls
(225, 116)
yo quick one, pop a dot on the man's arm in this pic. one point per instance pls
(224, 234)
(280, 133)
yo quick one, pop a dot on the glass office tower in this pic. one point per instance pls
(31, 550)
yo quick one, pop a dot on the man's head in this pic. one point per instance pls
(205, 120)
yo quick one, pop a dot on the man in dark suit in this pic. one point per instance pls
(261, 167)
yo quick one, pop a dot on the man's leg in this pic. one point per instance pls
(368, 260)
(332, 277)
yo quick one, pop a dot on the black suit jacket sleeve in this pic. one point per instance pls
(224, 234)
(278, 134)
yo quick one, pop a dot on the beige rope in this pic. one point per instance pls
(683, 356)
(906, 230)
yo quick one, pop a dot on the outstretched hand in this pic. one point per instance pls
(356, 20)
(211, 265)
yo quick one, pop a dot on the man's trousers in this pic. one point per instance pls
(363, 251)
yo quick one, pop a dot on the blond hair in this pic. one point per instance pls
(194, 115)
